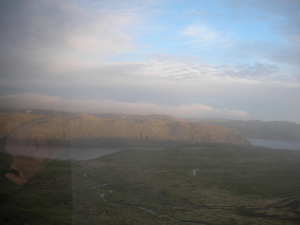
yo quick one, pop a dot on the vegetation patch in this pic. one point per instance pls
(209, 184)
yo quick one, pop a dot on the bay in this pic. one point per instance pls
(67, 152)
(275, 144)
(88, 152)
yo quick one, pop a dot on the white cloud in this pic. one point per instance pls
(31, 101)
(35, 34)
(200, 33)
(61, 48)
(175, 68)
(165, 75)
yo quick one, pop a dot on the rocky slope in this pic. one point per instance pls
(8, 121)
(84, 129)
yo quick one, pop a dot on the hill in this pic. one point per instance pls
(8, 121)
(210, 184)
(272, 130)
(85, 129)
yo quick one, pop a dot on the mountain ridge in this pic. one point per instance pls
(272, 130)
(86, 129)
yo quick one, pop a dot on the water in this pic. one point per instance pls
(92, 152)
(275, 144)
(88, 152)
(65, 153)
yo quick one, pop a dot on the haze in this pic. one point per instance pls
(222, 58)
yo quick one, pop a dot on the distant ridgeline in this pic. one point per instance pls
(46, 127)
(272, 130)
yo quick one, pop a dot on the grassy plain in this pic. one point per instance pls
(213, 184)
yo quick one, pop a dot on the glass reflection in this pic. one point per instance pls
(29, 159)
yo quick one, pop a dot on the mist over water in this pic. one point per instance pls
(275, 144)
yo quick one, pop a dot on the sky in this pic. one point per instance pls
(186, 58)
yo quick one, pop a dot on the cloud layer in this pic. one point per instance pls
(221, 58)
(31, 101)
(34, 43)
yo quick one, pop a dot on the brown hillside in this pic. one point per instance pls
(8, 121)
(84, 129)
(150, 116)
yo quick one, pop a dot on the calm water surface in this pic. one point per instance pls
(70, 152)
(275, 144)
(92, 152)
(88, 152)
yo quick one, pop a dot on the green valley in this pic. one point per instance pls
(213, 184)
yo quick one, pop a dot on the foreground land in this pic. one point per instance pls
(213, 184)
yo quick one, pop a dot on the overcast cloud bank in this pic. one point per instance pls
(30, 101)
(221, 58)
